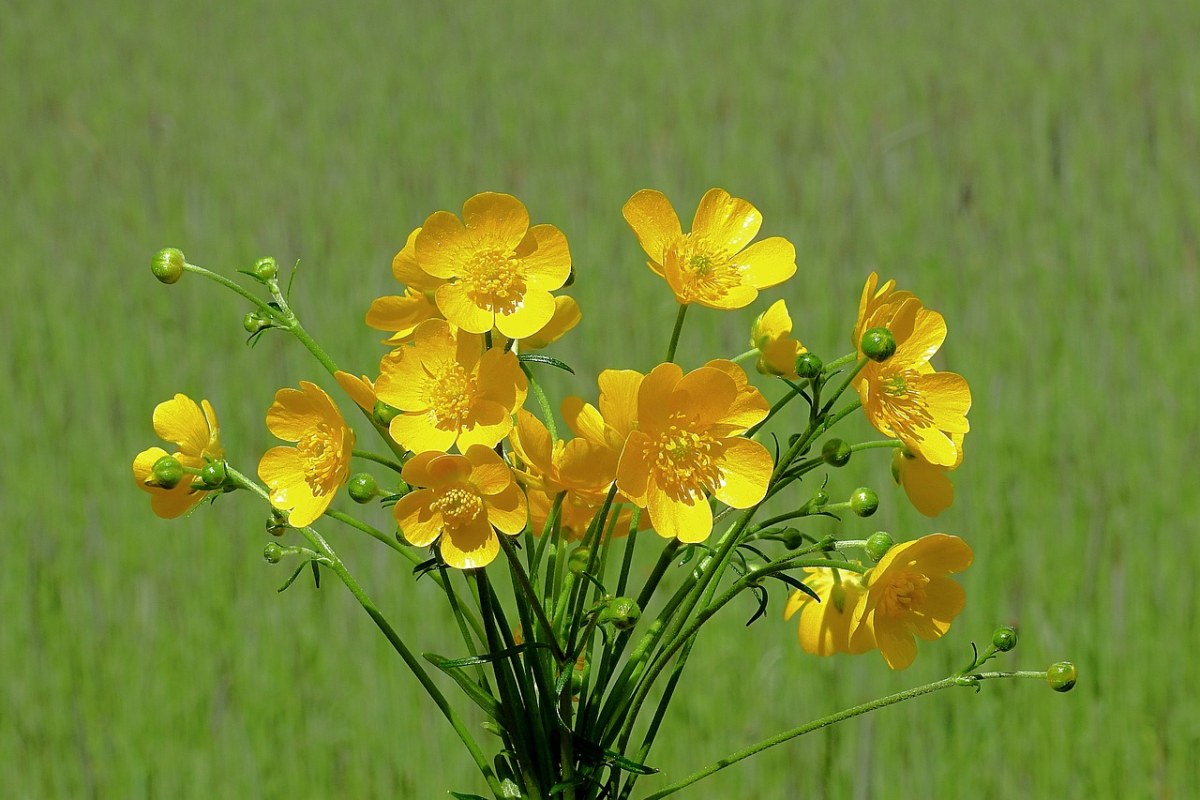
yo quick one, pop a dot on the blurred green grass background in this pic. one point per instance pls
(1028, 169)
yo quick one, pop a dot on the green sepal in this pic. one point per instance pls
(471, 661)
(797, 584)
(538, 358)
(292, 579)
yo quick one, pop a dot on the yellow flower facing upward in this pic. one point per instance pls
(825, 625)
(777, 350)
(710, 265)
(450, 391)
(909, 594)
(687, 446)
(403, 313)
(927, 486)
(303, 479)
(499, 271)
(463, 500)
(196, 433)
(904, 397)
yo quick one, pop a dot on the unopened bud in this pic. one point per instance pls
(272, 553)
(792, 538)
(254, 322)
(167, 264)
(276, 524)
(266, 269)
(864, 502)
(1004, 639)
(213, 474)
(878, 344)
(578, 561)
(166, 473)
(836, 452)
(384, 414)
(622, 612)
(363, 487)
(809, 365)
(878, 544)
(1062, 676)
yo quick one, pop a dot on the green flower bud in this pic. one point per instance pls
(166, 473)
(878, 344)
(1004, 639)
(254, 322)
(384, 414)
(836, 452)
(167, 264)
(272, 553)
(577, 563)
(276, 524)
(212, 474)
(820, 498)
(864, 502)
(792, 538)
(622, 612)
(363, 487)
(878, 544)
(809, 365)
(1062, 676)
(266, 269)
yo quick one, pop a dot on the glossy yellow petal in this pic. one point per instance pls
(949, 400)
(497, 220)
(403, 381)
(531, 441)
(654, 397)
(501, 379)
(928, 333)
(489, 422)
(419, 524)
(455, 302)
(653, 221)
(401, 313)
(407, 269)
(767, 263)
(180, 420)
(507, 509)
(945, 599)
(549, 265)
(584, 464)
(566, 316)
(306, 507)
(619, 399)
(936, 554)
(472, 546)
(706, 394)
(534, 313)
(927, 486)
(750, 407)
(291, 416)
(489, 474)
(448, 469)
(583, 419)
(419, 431)
(633, 470)
(676, 519)
(442, 245)
(361, 390)
(728, 222)
(895, 643)
(745, 472)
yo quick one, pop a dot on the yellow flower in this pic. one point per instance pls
(777, 350)
(712, 264)
(196, 433)
(909, 593)
(403, 313)
(687, 446)
(450, 390)
(302, 480)
(825, 626)
(566, 316)
(904, 397)
(500, 271)
(361, 390)
(463, 499)
(610, 425)
(927, 487)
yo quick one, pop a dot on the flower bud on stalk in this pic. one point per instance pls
(864, 502)
(1062, 676)
(878, 544)
(167, 472)
(276, 523)
(213, 474)
(254, 322)
(1004, 639)
(266, 269)
(809, 365)
(622, 612)
(272, 553)
(362, 487)
(383, 413)
(836, 453)
(578, 560)
(878, 344)
(167, 264)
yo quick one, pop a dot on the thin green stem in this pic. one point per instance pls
(674, 345)
(373, 532)
(746, 356)
(238, 288)
(838, 363)
(858, 367)
(854, 711)
(514, 563)
(367, 455)
(882, 443)
(793, 392)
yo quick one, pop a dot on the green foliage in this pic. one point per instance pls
(1037, 167)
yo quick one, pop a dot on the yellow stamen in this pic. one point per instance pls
(904, 592)
(320, 449)
(450, 392)
(494, 281)
(458, 505)
(685, 460)
(705, 268)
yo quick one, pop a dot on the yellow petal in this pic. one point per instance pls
(531, 440)
(927, 486)
(549, 265)
(455, 302)
(488, 423)
(360, 390)
(181, 421)
(418, 432)
(653, 221)
(566, 316)
(745, 472)
(676, 519)
(507, 510)
(501, 379)
(499, 220)
(706, 393)
(489, 474)
(407, 269)
(583, 418)
(442, 245)
(767, 263)
(531, 316)
(472, 546)
(654, 397)
(448, 469)
(400, 313)
(306, 507)
(633, 470)
(945, 599)
(419, 524)
(619, 398)
(729, 222)
(936, 554)
(895, 643)
(928, 333)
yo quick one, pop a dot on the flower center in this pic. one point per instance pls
(705, 270)
(459, 505)
(494, 281)
(904, 593)
(450, 392)
(904, 402)
(319, 449)
(685, 461)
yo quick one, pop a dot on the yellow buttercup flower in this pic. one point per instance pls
(711, 265)
(403, 313)
(825, 626)
(909, 594)
(463, 500)
(361, 390)
(303, 479)
(499, 271)
(450, 391)
(904, 397)
(927, 487)
(687, 447)
(777, 350)
(610, 425)
(566, 316)
(196, 433)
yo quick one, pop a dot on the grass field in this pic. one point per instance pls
(1029, 169)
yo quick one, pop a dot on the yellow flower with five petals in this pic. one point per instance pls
(196, 433)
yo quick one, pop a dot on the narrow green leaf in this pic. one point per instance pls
(538, 358)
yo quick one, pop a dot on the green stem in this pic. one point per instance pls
(674, 345)
(838, 363)
(863, 708)
(514, 562)
(862, 362)
(793, 393)
(387, 462)
(746, 356)
(892, 443)
(236, 287)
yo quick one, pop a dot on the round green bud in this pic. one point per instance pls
(266, 269)
(864, 502)
(1062, 676)
(1004, 639)
(878, 544)
(363, 487)
(167, 472)
(622, 612)
(878, 344)
(213, 474)
(809, 365)
(254, 322)
(578, 561)
(792, 538)
(836, 452)
(384, 414)
(819, 499)
(272, 553)
(167, 264)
